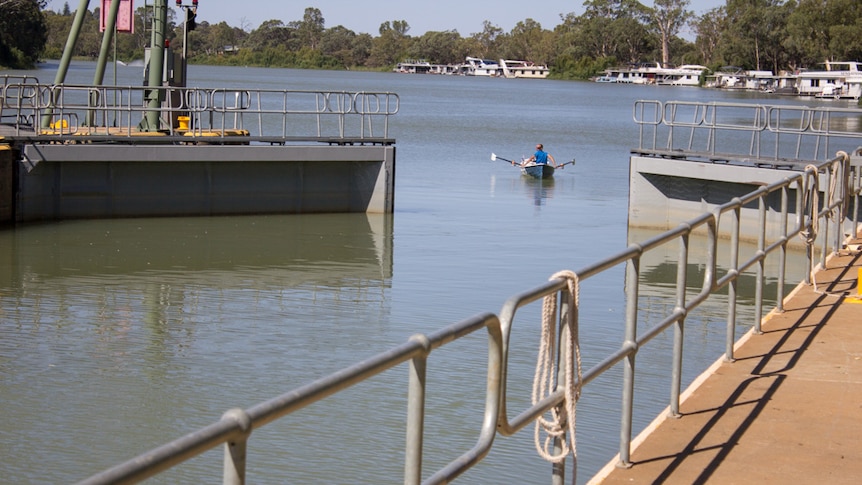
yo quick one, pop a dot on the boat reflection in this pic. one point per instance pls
(539, 189)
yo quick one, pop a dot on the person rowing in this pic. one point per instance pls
(541, 157)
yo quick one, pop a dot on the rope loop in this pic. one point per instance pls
(811, 209)
(562, 418)
(811, 205)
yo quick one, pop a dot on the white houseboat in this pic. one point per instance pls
(654, 73)
(731, 77)
(644, 73)
(476, 66)
(839, 80)
(685, 75)
(523, 69)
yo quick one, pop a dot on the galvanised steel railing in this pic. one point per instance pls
(770, 135)
(235, 428)
(269, 116)
(16, 93)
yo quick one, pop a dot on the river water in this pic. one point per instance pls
(119, 335)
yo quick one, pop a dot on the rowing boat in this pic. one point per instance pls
(538, 170)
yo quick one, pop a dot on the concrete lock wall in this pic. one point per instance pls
(7, 186)
(102, 181)
(664, 192)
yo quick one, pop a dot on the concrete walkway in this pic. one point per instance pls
(788, 410)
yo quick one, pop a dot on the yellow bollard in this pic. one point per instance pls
(858, 297)
(183, 121)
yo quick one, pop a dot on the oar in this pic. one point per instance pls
(495, 157)
(572, 162)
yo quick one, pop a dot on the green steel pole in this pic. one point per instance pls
(107, 36)
(67, 53)
(156, 66)
(110, 24)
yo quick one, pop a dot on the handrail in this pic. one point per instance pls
(777, 135)
(236, 426)
(261, 115)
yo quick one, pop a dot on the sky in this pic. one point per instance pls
(465, 16)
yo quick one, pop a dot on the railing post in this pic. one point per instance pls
(761, 263)
(679, 326)
(416, 414)
(235, 451)
(632, 277)
(782, 251)
(734, 282)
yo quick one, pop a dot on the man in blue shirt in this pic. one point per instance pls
(541, 157)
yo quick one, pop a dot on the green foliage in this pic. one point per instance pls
(583, 68)
(753, 34)
(23, 33)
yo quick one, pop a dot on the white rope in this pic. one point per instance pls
(812, 197)
(546, 375)
(811, 201)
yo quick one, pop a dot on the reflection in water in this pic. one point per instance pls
(657, 290)
(145, 317)
(302, 248)
(540, 189)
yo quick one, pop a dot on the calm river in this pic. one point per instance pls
(119, 335)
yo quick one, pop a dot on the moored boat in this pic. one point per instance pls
(476, 66)
(523, 69)
(839, 80)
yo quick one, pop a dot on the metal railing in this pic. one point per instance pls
(235, 427)
(16, 93)
(268, 116)
(771, 135)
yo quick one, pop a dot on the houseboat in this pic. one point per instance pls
(685, 75)
(839, 80)
(476, 66)
(523, 69)
(731, 77)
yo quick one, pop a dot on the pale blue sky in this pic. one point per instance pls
(465, 16)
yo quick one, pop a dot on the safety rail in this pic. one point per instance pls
(15, 93)
(236, 425)
(121, 113)
(770, 135)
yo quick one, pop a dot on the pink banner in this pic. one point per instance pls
(125, 17)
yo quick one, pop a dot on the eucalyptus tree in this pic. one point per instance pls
(529, 41)
(615, 28)
(707, 29)
(437, 47)
(270, 34)
(361, 51)
(819, 30)
(338, 42)
(487, 42)
(310, 28)
(219, 37)
(751, 30)
(391, 45)
(23, 32)
(668, 17)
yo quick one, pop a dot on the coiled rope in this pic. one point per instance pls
(811, 207)
(562, 418)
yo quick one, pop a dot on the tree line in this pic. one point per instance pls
(771, 35)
